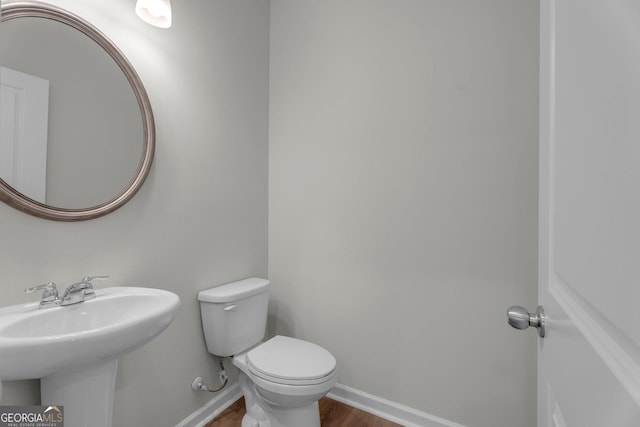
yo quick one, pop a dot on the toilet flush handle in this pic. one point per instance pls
(230, 307)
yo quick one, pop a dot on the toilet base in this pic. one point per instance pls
(308, 416)
(261, 413)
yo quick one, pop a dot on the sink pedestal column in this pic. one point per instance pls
(85, 393)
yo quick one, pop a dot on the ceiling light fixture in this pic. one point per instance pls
(155, 12)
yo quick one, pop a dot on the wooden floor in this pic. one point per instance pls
(332, 414)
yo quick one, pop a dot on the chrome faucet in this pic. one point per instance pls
(80, 291)
(75, 293)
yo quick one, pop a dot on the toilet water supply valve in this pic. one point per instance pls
(198, 385)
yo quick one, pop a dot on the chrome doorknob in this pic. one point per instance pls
(520, 318)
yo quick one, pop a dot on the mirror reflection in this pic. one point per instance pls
(91, 138)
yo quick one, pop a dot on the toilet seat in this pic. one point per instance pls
(290, 361)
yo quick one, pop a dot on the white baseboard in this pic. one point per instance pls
(213, 408)
(387, 409)
(375, 405)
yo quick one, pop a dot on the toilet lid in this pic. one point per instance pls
(287, 360)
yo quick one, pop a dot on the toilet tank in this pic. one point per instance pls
(234, 316)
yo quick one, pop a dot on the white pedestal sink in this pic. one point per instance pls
(74, 350)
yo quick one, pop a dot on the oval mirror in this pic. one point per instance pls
(77, 133)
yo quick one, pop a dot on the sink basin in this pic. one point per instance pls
(36, 343)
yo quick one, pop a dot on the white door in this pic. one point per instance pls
(24, 117)
(589, 283)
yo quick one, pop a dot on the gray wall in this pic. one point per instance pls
(403, 196)
(201, 218)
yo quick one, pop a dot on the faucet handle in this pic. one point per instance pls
(86, 284)
(88, 279)
(48, 288)
(50, 294)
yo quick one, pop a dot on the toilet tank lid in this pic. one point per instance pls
(234, 291)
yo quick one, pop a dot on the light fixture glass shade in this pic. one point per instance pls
(155, 12)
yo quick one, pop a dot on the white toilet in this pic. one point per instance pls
(283, 378)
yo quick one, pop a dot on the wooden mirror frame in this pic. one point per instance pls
(12, 197)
